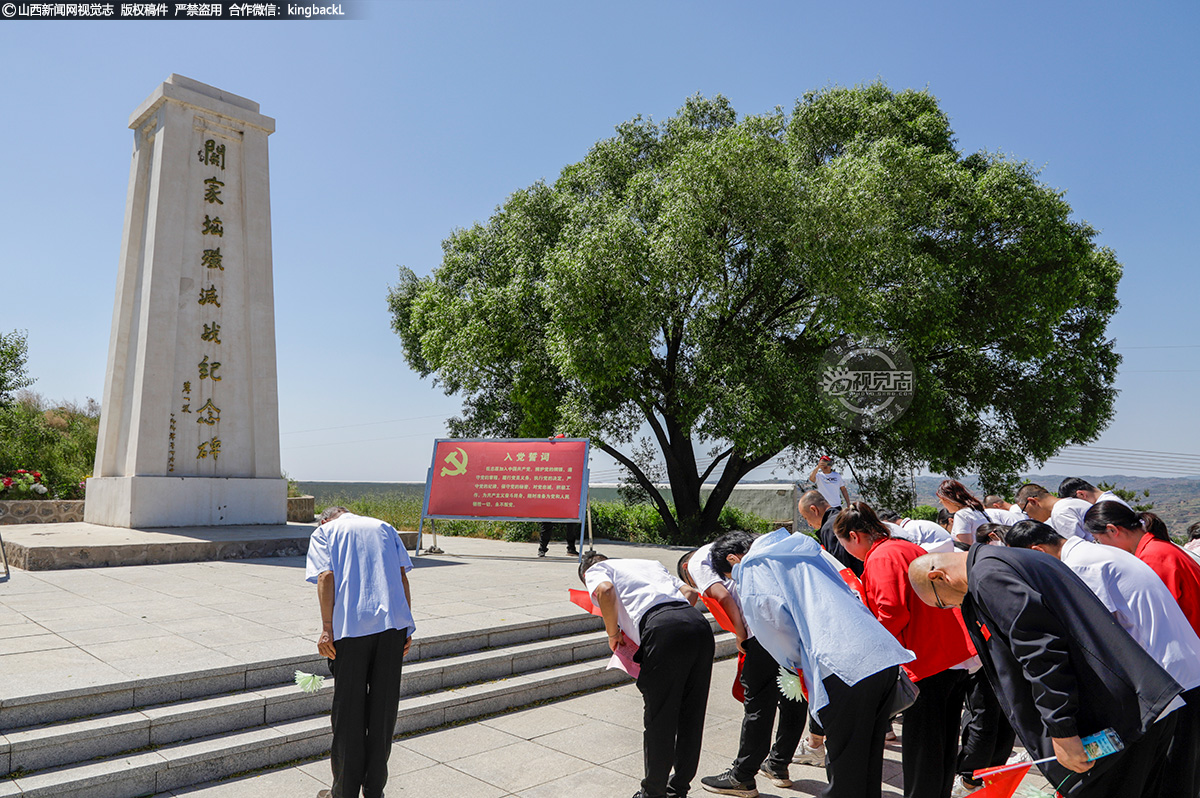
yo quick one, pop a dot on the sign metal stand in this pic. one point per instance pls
(4, 556)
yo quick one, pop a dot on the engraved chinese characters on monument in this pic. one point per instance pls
(190, 433)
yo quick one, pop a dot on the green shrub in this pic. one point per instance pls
(636, 523)
(641, 523)
(924, 512)
(58, 441)
(404, 512)
(732, 518)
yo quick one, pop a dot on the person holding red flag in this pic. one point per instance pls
(709, 570)
(1062, 667)
(937, 637)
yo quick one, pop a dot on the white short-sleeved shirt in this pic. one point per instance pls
(1141, 603)
(1109, 496)
(926, 534)
(966, 521)
(705, 576)
(1067, 518)
(1006, 517)
(640, 585)
(368, 560)
(830, 485)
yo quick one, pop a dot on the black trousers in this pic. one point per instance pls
(366, 693)
(1135, 772)
(929, 735)
(987, 736)
(855, 720)
(676, 656)
(548, 530)
(1180, 774)
(760, 682)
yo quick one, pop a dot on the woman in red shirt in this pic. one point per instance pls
(930, 731)
(1145, 536)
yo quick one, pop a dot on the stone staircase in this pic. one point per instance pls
(148, 736)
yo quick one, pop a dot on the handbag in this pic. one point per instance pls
(904, 694)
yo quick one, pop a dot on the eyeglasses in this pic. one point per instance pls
(1024, 502)
(940, 604)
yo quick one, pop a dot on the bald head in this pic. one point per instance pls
(812, 507)
(940, 579)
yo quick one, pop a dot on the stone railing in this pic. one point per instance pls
(45, 511)
(49, 511)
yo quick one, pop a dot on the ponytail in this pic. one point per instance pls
(1156, 527)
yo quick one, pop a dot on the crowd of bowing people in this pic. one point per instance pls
(1044, 621)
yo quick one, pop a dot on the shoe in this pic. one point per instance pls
(777, 775)
(963, 788)
(541, 552)
(807, 755)
(572, 553)
(726, 784)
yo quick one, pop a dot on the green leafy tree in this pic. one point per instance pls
(14, 350)
(684, 279)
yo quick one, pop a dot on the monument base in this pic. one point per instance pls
(184, 501)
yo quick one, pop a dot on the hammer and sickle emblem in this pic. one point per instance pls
(459, 463)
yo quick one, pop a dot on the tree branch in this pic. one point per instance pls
(664, 509)
(713, 464)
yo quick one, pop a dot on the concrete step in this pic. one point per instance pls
(174, 765)
(48, 745)
(20, 712)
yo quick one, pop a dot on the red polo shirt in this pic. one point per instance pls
(1178, 570)
(936, 636)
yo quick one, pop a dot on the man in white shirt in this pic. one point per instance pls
(996, 502)
(759, 682)
(797, 605)
(1076, 488)
(360, 566)
(1143, 605)
(926, 534)
(1065, 515)
(655, 611)
(830, 483)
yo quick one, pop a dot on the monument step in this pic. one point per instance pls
(175, 765)
(20, 712)
(43, 746)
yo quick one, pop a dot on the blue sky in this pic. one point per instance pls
(394, 130)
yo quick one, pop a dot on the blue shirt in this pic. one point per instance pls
(367, 559)
(801, 611)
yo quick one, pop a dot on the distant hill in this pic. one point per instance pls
(1176, 500)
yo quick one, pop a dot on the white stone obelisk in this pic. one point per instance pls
(189, 434)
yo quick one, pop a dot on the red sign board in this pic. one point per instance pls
(528, 479)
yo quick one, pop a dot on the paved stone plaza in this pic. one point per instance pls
(92, 628)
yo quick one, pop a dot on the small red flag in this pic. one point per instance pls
(739, 692)
(584, 600)
(1001, 782)
(718, 612)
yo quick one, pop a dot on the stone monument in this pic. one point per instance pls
(189, 434)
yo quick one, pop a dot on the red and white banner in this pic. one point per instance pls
(525, 479)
